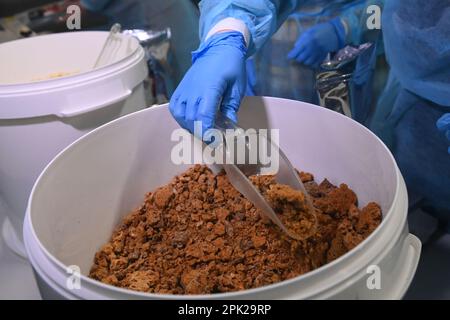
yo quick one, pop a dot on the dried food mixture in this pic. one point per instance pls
(198, 235)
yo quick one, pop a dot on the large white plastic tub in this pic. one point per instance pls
(39, 116)
(83, 194)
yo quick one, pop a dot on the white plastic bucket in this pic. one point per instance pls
(86, 190)
(40, 115)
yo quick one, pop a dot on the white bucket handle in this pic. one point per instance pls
(84, 109)
(413, 247)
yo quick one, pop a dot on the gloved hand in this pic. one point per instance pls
(217, 72)
(443, 124)
(314, 44)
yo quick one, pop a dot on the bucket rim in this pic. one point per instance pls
(11, 89)
(234, 294)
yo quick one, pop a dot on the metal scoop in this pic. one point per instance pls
(110, 47)
(237, 175)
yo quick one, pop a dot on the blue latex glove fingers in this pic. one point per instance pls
(217, 74)
(301, 45)
(311, 58)
(306, 50)
(303, 56)
(192, 104)
(306, 56)
(315, 59)
(443, 125)
(207, 109)
(177, 108)
(233, 96)
(313, 45)
(298, 49)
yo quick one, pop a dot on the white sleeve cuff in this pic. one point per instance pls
(230, 24)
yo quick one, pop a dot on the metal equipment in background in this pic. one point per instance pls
(157, 50)
(344, 81)
(51, 18)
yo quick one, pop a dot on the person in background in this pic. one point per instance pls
(270, 73)
(413, 113)
(348, 28)
(180, 15)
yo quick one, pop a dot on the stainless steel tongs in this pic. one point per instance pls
(286, 174)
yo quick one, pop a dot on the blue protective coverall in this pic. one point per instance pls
(263, 18)
(348, 27)
(272, 71)
(417, 45)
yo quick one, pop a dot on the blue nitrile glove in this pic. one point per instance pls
(217, 73)
(314, 44)
(443, 124)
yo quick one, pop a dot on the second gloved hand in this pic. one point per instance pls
(216, 75)
(314, 44)
(443, 124)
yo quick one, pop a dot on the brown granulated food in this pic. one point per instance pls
(291, 207)
(198, 235)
